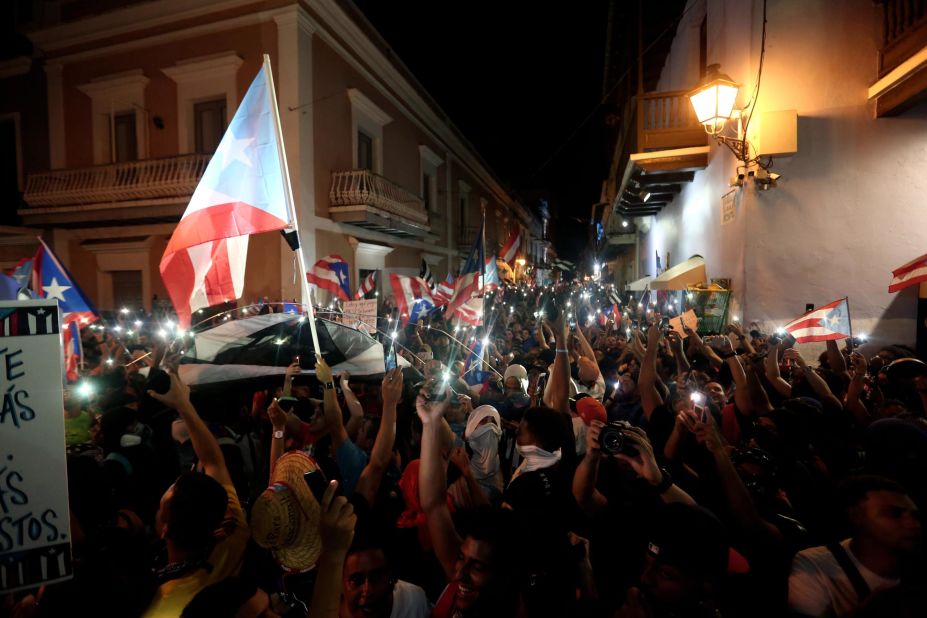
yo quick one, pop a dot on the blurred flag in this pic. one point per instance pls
(509, 250)
(491, 275)
(564, 265)
(367, 286)
(444, 291)
(469, 282)
(331, 273)
(913, 272)
(412, 296)
(828, 322)
(241, 193)
(52, 280)
(425, 273)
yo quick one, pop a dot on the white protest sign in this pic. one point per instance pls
(688, 319)
(360, 314)
(35, 545)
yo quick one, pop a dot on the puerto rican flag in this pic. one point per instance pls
(367, 286)
(471, 311)
(913, 272)
(828, 322)
(243, 192)
(444, 291)
(469, 282)
(491, 275)
(509, 250)
(331, 273)
(50, 279)
(412, 296)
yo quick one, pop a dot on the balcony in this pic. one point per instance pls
(368, 200)
(660, 146)
(466, 236)
(902, 58)
(162, 186)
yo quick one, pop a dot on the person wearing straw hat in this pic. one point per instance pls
(285, 517)
(200, 518)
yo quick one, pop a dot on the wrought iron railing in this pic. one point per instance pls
(904, 31)
(363, 187)
(118, 182)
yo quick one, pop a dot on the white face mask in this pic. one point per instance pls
(535, 458)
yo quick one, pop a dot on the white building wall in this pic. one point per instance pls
(851, 204)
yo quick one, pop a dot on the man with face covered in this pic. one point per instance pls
(482, 435)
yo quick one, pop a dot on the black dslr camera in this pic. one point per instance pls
(612, 440)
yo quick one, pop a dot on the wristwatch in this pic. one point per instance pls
(278, 434)
(329, 386)
(665, 483)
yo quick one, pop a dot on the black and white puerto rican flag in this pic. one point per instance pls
(564, 265)
(426, 275)
(265, 345)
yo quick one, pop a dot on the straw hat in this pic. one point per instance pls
(285, 518)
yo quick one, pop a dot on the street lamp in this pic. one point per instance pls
(713, 99)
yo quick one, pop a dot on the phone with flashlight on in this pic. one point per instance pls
(698, 406)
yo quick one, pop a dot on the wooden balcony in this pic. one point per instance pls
(368, 200)
(902, 58)
(120, 182)
(660, 145)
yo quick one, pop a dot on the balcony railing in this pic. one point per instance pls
(904, 31)
(666, 120)
(118, 182)
(369, 200)
(466, 236)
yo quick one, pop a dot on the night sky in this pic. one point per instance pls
(518, 79)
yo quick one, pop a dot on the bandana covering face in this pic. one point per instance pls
(535, 458)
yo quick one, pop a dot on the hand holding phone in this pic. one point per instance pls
(317, 483)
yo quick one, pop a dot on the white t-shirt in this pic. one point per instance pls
(409, 601)
(596, 391)
(818, 585)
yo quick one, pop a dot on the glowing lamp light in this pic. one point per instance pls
(713, 99)
(123, 311)
(85, 389)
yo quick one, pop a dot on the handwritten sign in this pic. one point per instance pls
(688, 318)
(728, 207)
(35, 546)
(360, 314)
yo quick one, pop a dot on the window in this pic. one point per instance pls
(127, 288)
(10, 168)
(367, 122)
(204, 85)
(364, 152)
(430, 162)
(125, 139)
(209, 124)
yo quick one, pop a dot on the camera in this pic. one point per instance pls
(612, 440)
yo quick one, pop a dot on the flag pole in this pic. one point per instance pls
(291, 207)
(849, 324)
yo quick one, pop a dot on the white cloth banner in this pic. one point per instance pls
(35, 535)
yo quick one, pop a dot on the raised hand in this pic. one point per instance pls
(322, 371)
(293, 369)
(707, 435)
(391, 389)
(430, 410)
(643, 463)
(336, 521)
(794, 355)
(720, 344)
(276, 415)
(178, 395)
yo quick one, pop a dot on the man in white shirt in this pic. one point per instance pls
(835, 580)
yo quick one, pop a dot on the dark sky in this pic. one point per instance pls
(517, 78)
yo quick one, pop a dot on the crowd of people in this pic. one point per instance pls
(552, 462)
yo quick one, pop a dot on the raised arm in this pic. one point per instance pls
(854, 403)
(817, 383)
(589, 499)
(723, 348)
(336, 528)
(647, 381)
(584, 347)
(278, 420)
(292, 371)
(369, 482)
(204, 443)
(772, 372)
(432, 484)
(355, 410)
(682, 363)
(333, 419)
(557, 392)
(835, 358)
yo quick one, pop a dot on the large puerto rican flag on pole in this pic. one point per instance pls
(828, 322)
(241, 193)
(50, 279)
(412, 296)
(469, 283)
(331, 274)
(509, 250)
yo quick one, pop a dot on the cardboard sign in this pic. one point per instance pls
(688, 318)
(360, 314)
(35, 545)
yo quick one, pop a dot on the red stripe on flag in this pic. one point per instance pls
(222, 221)
(218, 280)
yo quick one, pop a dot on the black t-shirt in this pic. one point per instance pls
(545, 510)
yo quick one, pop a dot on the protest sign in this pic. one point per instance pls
(688, 318)
(360, 314)
(35, 546)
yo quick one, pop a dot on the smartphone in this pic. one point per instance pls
(286, 403)
(159, 381)
(391, 357)
(317, 483)
(698, 406)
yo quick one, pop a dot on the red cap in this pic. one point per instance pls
(591, 409)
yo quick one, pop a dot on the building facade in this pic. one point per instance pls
(116, 115)
(849, 205)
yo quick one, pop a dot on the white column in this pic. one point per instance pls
(293, 83)
(56, 137)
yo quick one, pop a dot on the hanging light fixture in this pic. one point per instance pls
(713, 99)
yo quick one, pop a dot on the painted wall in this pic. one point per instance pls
(850, 205)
